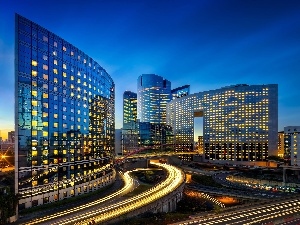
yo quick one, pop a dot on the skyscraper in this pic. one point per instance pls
(129, 131)
(154, 92)
(240, 121)
(129, 109)
(64, 117)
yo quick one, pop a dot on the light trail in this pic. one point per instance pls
(174, 179)
(129, 182)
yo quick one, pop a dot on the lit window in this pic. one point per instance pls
(55, 53)
(72, 53)
(55, 62)
(34, 133)
(45, 114)
(55, 71)
(55, 44)
(45, 124)
(34, 112)
(55, 80)
(34, 103)
(55, 125)
(55, 115)
(34, 73)
(64, 66)
(45, 57)
(64, 74)
(45, 95)
(64, 48)
(33, 62)
(45, 76)
(34, 93)
(34, 123)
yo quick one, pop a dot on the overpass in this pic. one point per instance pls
(162, 197)
(226, 192)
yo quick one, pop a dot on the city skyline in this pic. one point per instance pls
(202, 43)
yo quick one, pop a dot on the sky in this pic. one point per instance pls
(205, 43)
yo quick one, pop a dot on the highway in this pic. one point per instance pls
(54, 218)
(174, 179)
(106, 209)
(256, 215)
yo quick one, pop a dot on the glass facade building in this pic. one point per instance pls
(129, 131)
(154, 92)
(64, 117)
(180, 91)
(240, 122)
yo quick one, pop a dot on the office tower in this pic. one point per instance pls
(64, 116)
(240, 122)
(154, 92)
(129, 109)
(291, 144)
(281, 144)
(180, 91)
(129, 130)
(11, 137)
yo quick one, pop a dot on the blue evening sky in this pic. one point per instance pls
(205, 43)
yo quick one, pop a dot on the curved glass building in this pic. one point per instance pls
(154, 92)
(64, 117)
(240, 122)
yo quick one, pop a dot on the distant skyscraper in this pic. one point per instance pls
(240, 121)
(129, 109)
(180, 91)
(292, 144)
(154, 92)
(129, 131)
(281, 144)
(11, 137)
(65, 118)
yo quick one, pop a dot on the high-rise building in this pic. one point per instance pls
(240, 122)
(154, 92)
(280, 144)
(129, 130)
(291, 144)
(11, 137)
(64, 117)
(180, 91)
(129, 109)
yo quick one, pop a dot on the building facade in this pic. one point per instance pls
(11, 136)
(280, 144)
(240, 122)
(64, 117)
(129, 130)
(180, 91)
(291, 144)
(154, 92)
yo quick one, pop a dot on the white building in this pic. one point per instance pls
(291, 141)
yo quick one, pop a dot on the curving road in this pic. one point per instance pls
(130, 184)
